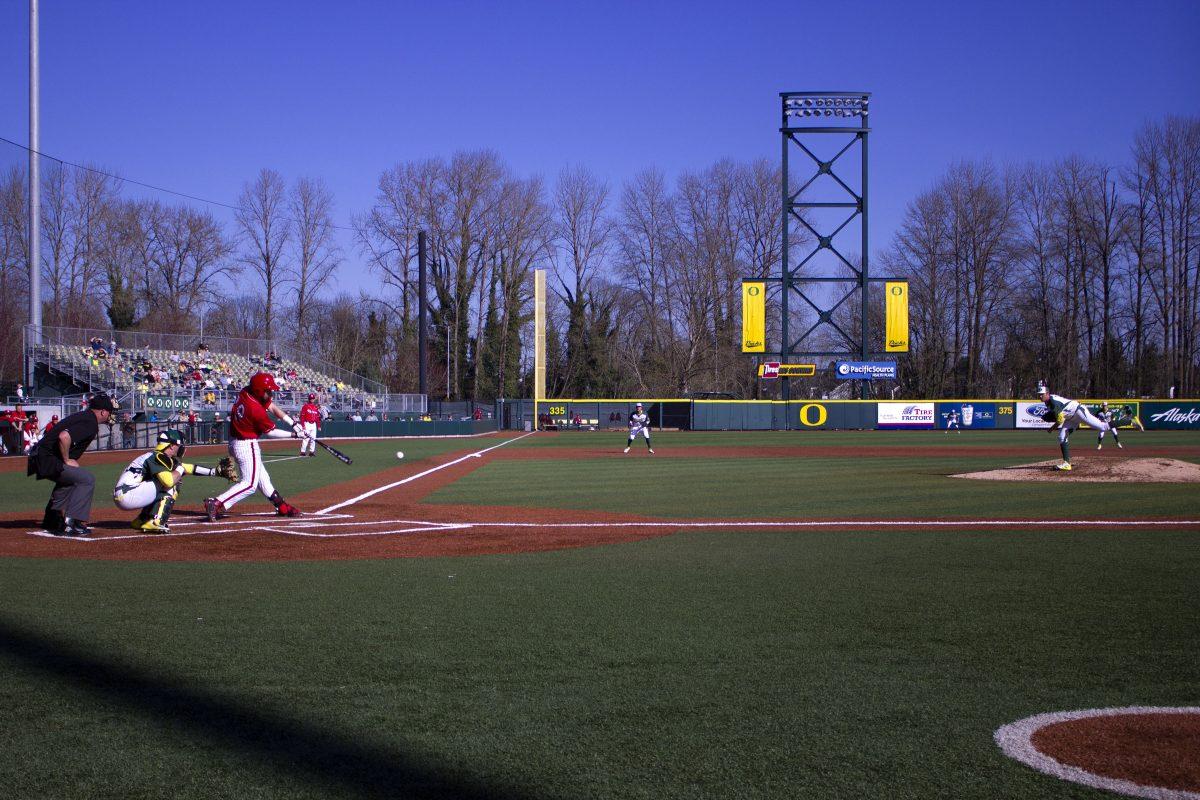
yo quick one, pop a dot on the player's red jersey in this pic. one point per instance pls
(248, 419)
(310, 413)
(30, 427)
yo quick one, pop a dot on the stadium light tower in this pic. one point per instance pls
(35, 206)
(806, 117)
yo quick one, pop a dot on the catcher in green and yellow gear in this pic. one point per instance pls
(151, 481)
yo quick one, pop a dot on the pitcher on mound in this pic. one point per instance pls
(249, 421)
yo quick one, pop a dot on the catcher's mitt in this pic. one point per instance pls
(228, 470)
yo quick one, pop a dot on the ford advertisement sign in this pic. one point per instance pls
(968, 415)
(1029, 415)
(866, 370)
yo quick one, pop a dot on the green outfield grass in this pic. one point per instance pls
(822, 664)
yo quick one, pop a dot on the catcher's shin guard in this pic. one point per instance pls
(160, 510)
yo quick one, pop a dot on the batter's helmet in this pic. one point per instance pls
(261, 383)
(169, 437)
(312, 398)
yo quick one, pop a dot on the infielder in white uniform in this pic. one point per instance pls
(1106, 416)
(639, 422)
(1066, 415)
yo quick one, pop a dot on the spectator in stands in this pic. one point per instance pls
(128, 432)
(385, 416)
(197, 376)
(96, 343)
(20, 393)
(291, 374)
(356, 417)
(371, 417)
(112, 348)
(193, 421)
(226, 380)
(478, 415)
(576, 421)
(210, 398)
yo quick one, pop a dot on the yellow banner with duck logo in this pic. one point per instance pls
(754, 317)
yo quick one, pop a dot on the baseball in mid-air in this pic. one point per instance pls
(399, 454)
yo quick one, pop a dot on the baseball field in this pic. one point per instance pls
(749, 615)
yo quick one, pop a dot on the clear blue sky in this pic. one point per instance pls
(198, 96)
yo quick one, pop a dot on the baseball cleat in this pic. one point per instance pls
(213, 508)
(1120, 446)
(1138, 422)
(626, 450)
(288, 510)
(650, 451)
(74, 527)
(150, 526)
(1099, 447)
(1064, 466)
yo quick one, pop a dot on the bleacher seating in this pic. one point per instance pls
(126, 372)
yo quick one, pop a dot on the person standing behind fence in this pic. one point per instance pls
(56, 458)
(310, 422)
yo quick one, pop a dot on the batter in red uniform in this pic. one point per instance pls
(249, 421)
(310, 423)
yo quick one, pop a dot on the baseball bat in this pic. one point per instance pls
(333, 451)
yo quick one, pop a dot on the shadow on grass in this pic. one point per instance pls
(348, 768)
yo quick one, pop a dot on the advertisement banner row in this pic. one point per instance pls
(925, 415)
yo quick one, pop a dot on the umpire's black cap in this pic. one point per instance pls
(102, 402)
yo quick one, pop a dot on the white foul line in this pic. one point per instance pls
(411, 478)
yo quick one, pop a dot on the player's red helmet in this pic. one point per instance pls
(262, 384)
(312, 398)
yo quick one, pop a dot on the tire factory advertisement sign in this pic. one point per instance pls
(906, 415)
(1181, 415)
(1029, 415)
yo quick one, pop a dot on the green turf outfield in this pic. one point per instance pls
(821, 664)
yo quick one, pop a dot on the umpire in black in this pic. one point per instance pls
(56, 458)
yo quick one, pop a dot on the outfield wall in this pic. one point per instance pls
(750, 415)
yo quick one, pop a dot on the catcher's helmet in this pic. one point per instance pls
(169, 437)
(262, 384)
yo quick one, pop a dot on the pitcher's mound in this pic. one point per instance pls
(1097, 470)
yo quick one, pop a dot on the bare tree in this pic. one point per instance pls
(582, 236)
(316, 255)
(265, 229)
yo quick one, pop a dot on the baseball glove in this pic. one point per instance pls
(228, 470)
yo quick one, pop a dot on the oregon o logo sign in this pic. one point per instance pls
(897, 291)
(752, 291)
(806, 415)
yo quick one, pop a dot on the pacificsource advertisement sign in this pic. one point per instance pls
(1171, 415)
(906, 415)
(866, 370)
(966, 415)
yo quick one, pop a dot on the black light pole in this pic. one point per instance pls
(422, 315)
